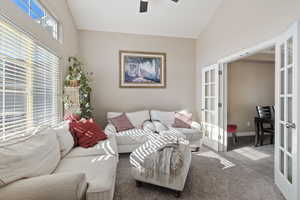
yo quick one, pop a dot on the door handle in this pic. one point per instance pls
(290, 125)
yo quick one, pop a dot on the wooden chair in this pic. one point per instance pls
(232, 128)
(266, 116)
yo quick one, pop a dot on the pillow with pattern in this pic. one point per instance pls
(183, 120)
(87, 132)
(121, 123)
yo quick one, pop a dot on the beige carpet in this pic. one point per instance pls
(211, 177)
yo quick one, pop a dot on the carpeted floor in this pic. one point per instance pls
(212, 176)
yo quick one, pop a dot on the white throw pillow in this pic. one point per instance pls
(37, 155)
(159, 127)
(136, 118)
(167, 118)
(149, 126)
(65, 138)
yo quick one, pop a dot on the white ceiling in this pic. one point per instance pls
(166, 18)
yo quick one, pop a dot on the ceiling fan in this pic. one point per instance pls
(144, 5)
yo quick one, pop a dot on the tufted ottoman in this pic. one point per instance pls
(174, 181)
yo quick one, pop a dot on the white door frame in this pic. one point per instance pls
(287, 154)
(209, 103)
(224, 68)
(223, 108)
(245, 53)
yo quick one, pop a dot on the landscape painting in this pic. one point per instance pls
(142, 70)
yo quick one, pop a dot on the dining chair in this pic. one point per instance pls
(232, 128)
(266, 125)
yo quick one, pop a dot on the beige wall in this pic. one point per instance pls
(250, 84)
(100, 51)
(240, 24)
(60, 10)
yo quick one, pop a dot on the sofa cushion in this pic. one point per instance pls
(160, 126)
(191, 134)
(136, 118)
(35, 156)
(149, 126)
(100, 172)
(173, 132)
(167, 118)
(105, 147)
(133, 136)
(65, 138)
(68, 186)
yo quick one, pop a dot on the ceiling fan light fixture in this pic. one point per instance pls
(144, 6)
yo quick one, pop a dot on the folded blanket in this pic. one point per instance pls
(162, 155)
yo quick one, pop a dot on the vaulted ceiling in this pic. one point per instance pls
(187, 18)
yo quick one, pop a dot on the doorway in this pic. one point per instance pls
(250, 86)
(287, 90)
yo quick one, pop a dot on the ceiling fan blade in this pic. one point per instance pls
(176, 1)
(143, 6)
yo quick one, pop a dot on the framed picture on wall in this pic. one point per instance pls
(142, 69)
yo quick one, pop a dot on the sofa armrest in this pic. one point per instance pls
(196, 125)
(110, 129)
(60, 186)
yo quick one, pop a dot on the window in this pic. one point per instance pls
(28, 83)
(38, 13)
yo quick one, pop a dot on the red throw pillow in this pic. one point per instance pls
(121, 123)
(87, 133)
(72, 117)
(183, 120)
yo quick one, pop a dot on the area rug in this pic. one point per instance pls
(211, 177)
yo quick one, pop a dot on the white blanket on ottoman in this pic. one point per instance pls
(162, 155)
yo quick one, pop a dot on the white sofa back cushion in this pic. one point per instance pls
(167, 118)
(65, 139)
(35, 156)
(136, 118)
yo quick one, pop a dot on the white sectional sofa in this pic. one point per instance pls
(99, 164)
(80, 174)
(129, 140)
(147, 124)
(163, 121)
(45, 166)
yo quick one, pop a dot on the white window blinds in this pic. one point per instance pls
(28, 83)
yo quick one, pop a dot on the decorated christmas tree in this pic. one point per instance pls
(77, 78)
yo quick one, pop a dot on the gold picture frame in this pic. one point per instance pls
(139, 69)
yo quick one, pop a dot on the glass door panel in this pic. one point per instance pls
(286, 159)
(209, 104)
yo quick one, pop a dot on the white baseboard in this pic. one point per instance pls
(242, 134)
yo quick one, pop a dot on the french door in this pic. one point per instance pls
(210, 84)
(287, 143)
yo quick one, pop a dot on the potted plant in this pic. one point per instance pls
(77, 77)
